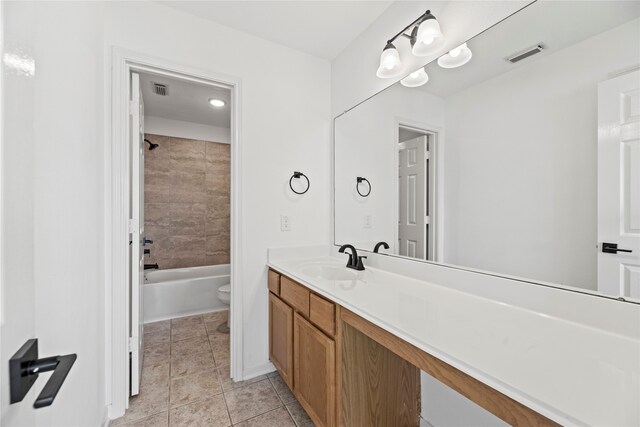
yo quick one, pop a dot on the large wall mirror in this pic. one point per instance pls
(522, 162)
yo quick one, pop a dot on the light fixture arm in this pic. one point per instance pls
(418, 21)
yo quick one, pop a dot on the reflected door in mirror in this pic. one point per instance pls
(412, 176)
(619, 185)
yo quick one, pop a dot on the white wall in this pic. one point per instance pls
(54, 224)
(529, 185)
(365, 145)
(285, 126)
(54, 209)
(182, 129)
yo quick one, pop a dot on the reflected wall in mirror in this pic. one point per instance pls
(520, 168)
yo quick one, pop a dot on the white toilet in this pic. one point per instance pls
(224, 295)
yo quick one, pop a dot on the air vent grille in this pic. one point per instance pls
(526, 53)
(160, 89)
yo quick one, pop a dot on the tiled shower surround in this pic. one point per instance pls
(187, 202)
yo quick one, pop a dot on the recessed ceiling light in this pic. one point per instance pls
(217, 102)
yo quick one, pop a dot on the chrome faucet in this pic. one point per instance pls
(354, 261)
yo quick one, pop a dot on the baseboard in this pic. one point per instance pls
(425, 423)
(184, 314)
(256, 371)
(106, 421)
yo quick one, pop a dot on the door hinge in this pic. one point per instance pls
(132, 225)
(130, 344)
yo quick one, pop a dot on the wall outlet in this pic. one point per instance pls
(367, 221)
(285, 223)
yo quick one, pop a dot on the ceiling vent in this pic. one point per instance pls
(160, 89)
(526, 53)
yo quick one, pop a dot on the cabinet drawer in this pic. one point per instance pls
(322, 313)
(295, 294)
(274, 282)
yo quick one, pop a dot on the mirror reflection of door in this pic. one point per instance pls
(619, 185)
(415, 185)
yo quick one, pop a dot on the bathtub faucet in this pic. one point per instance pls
(151, 266)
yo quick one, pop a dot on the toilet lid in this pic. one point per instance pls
(225, 288)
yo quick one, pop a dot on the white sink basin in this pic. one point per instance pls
(329, 272)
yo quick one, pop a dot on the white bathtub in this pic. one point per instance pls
(178, 292)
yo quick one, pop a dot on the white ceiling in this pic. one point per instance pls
(556, 24)
(321, 28)
(187, 101)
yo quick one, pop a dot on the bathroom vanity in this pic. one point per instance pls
(351, 346)
(347, 371)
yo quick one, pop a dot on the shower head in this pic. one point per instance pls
(152, 146)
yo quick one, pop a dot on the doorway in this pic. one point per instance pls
(417, 184)
(135, 80)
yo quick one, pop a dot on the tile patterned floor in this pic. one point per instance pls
(185, 382)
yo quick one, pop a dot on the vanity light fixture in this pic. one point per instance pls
(456, 57)
(415, 79)
(425, 38)
(217, 102)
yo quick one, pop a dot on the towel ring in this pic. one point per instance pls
(297, 175)
(358, 181)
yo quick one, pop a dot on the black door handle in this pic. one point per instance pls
(612, 248)
(24, 368)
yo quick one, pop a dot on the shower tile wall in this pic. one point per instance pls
(187, 202)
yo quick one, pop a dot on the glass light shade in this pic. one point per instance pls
(428, 31)
(415, 79)
(390, 64)
(456, 57)
(428, 38)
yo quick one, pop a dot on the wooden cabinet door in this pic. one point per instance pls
(314, 371)
(281, 338)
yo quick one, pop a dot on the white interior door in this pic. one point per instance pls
(412, 181)
(137, 232)
(619, 186)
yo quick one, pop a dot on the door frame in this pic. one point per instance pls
(436, 137)
(120, 64)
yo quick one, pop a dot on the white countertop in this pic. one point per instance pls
(570, 372)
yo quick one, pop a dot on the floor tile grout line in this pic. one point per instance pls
(291, 415)
(198, 400)
(226, 405)
(265, 413)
